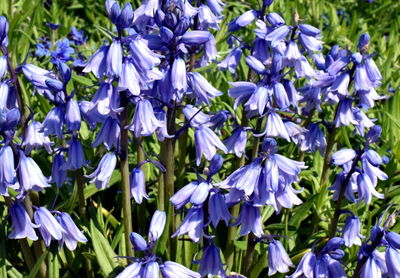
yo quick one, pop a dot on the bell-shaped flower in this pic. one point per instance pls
(392, 257)
(236, 143)
(58, 171)
(35, 139)
(183, 195)
(30, 175)
(101, 176)
(366, 189)
(142, 55)
(138, 242)
(344, 115)
(157, 225)
(363, 121)
(277, 35)
(278, 259)
(129, 79)
(196, 37)
(114, 59)
(48, 226)
(22, 227)
(138, 185)
(217, 209)
(210, 262)
(195, 116)
(97, 63)
(72, 116)
(192, 225)
(375, 266)
(206, 143)
(310, 42)
(144, 122)
(70, 233)
(135, 269)
(242, 20)
(343, 156)
(305, 267)
(76, 158)
(174, 270)
(250, 220)
(3, 66)
(109, 134)
(351, 231)
(232, 60)
(275, 127)
(53, 123)
(201, 88)
(8, 176)
(178, 75)
(255, 64)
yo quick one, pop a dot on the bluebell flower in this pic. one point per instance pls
(162, 131)
(72, 116)
(192, 225)
(178, 75)
(101, 176)
(196, 37)
(8, 176)
(373, 72)
(210, 262)
(3, 31)
(129, 78)
(114, 59)
(216, 6)
(241, 91)
(232, 60)
(305, 267)
(9, 119)
(275, 127)
(144, 122)
(392, 256)
(352, 231)
(250, 220)
(142, 55)
(375, 266)
(275, 19)
(210, 53)
(242, 20)
(53, 26)
(137, 185)
(97, 63)
(277, 35)
(343, 156)
(174, 270)
(206, 143)
(58, 173)
(255, 64)
(138, 242)
(22, 227)
(109, 134)
(304, 69)
(34, 139)
(217, 209)
(208, 19)
(366, 189)
(157, 225)
(278, 259)
(3, 66)
(236, 143)
(201, 88)
(292, 53)
(310, 42)
(183, 195)
(363, 42)
(151, 269)
(76, 158)
(364, 122)
(344, 115)
(30, 175)
(135, 269)
(71, 235)
(196, 116)
(49, 228)
(62, 53)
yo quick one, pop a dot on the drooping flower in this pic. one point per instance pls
(278, 259)
(8, 177)
(351, 231)
(137, 185)
(201, 88)
(192, 225)
(250, 220)
(76, 158)
(30, 175)
(102, 175)
(35, 139)
(71, 235)
(22, 227)
(210, 262)
(58, 172)
(48, 226)
(206, 143)
(144, 122)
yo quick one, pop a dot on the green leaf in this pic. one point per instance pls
(301, 212)
(82, 80)
(104, 253)
(37, 265)
(54, 265)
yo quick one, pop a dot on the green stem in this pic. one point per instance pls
(124, 167)
(141, 208)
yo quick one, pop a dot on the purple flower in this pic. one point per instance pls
(8, 176)
(58, 172)
(255, 64)
(35, 139)
(236, 143)
(178, 75)
(48, 226)
(22, 227)
(138, 185)
(375, 266)
(142, 55)
(101, 176)
(129, 78)
(206, 143)
(278, 259)
(310, 43)
(62, 53)
(250, 220)
(210, 262)
(242, 20)
(351, 231)
(97, 63)
(30, 175)
(72, 116)
(53, 123)
(3, 31)
(114, 59)
(217, 209)
(344, 115)
(78, 36)
(392, 257)
(275, 127)
(201, 88)
(151, 269)
(277, 35)
(343, 156)
(192, 225)
(175, 270)
(232, 60)
(157, 225)
(305, 267)
(135, 269)
(71, 233)
(144, 123)
(196, 37)
(76, 158)
(109, 134)
(183, 195)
